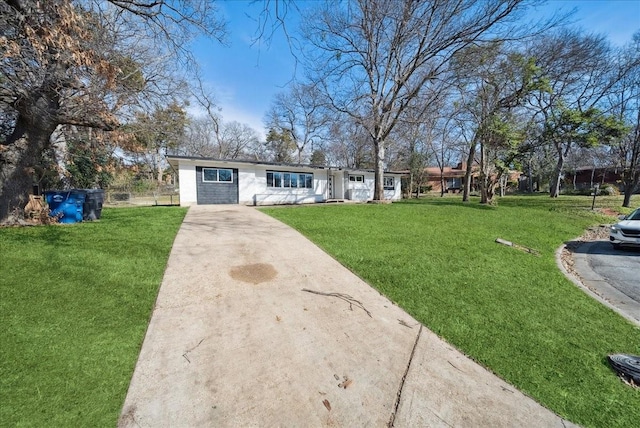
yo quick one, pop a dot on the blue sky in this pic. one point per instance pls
(244, 76)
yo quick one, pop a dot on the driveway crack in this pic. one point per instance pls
(404, 377)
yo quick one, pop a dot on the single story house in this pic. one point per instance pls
(215, 181)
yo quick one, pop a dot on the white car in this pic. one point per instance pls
(627, 231)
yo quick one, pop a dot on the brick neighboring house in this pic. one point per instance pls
(586, 177)
(452, 178)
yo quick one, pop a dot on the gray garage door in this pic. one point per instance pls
(217, 185)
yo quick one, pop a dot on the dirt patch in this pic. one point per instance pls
(609, 212)
(253, 273)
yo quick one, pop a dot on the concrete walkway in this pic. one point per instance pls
(256, 326)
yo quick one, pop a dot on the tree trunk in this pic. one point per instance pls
(485, 198)
(467, 174)
(158, 162)
(631, 179)
(18, 156)
(411, 183)
(554, 188)
(628, 192)
(378, 190)
(504, 180)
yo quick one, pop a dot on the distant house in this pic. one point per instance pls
(452, 178)
(587, 177)
(216, 181)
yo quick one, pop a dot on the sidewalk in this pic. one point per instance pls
(256, 326)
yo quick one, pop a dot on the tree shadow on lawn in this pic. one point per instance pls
(450, 202)
(54, 234)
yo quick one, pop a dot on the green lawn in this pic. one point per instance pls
(75, 301)
(513, 312)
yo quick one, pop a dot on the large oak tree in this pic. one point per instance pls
(66, 62)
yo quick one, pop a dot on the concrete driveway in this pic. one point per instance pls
(256, 326)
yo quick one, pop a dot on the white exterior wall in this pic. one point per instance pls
(263, 195)
(187, 183)
(360, 191)
(339, 184)
(396, 193)
(363, 191)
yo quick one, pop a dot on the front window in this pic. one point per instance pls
(454, 183)
(217, 175)
(289, 180)
(356, 178)
(388, 183)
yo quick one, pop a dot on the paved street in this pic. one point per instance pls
(621, 268)
(613, 276)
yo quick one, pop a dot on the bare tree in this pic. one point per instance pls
(220, 140)
(301, 112)
(237, 141)
(416, 135)
(372, 57)
(348, 144)
(199, 140)
(624, 102)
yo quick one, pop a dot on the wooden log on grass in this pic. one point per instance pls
(517, 246)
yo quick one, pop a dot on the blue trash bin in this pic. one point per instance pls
(66, 204)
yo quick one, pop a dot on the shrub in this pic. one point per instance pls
(610, 191)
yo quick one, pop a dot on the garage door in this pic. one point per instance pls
(217, 185)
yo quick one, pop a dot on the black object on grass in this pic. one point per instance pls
(627, 366)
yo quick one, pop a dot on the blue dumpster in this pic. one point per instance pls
(68, 204)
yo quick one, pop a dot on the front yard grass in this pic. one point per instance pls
(75, 301)
(513, 312)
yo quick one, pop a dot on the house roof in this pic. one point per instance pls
(447, 172)
(174, 160)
